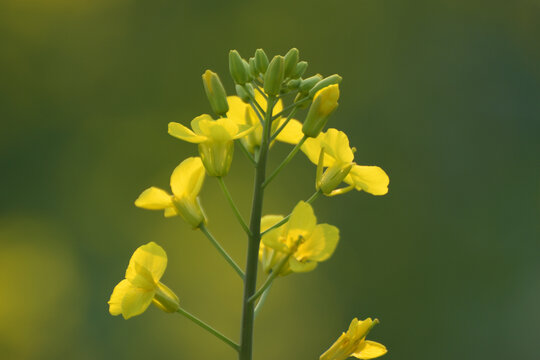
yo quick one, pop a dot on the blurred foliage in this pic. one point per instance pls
(443, 95)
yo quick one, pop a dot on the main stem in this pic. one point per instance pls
(250, 283)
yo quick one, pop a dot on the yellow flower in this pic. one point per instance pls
(353, 343)
(186, 182)
(141, 286)
(215, 139)
(301, 239)
(331, 150)
(243, 114)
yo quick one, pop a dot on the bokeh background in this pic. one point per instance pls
(444, 95)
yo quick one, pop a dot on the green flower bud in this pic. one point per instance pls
(324, 103)
(330, 80)
(253, 68)
(217, 157)
(300, 69)
(246, 66)
(166, 299)
(294, 83)
(261, 61)
(309, 83)
(291, 59)
(333, 177)
(246, 92)
(215, 92)
(237, 67)
(274, 76)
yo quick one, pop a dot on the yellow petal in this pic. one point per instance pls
(336, 145)
(291, 133)
(273, 240)
(115, 302)
(369, 350)
(237, 109)
(170, 212)
(154, 198)
(312, 148)
(321, 244)
(149, 258)
(136, 301)
(371, 179)
(302, 220)
(196, 123)
(188, 177)
(244, 130)
(221, 130)
(268, 221)
(183, 133)
(359, 328)
(301, 266)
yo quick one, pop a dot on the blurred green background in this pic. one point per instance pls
(444, 95)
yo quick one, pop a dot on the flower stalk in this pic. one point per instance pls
(250, 283)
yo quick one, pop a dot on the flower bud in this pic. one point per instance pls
(237, 67)
(324, 103)
(215, 92)
(166, 299)
(330, 80)
(217, 157)
(309, 83)
(300, 69)
(274, 76)
(253, 68)
(245, 92)
(261, 61)
(290, 61)
(246, 66)
(333, 177)
(191, 211)
(294, 83)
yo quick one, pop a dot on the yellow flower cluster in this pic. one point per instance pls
(296, 243)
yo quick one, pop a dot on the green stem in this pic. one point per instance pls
(246, 152)
(260, 304)
(221, 250)
(311, 199)
(258, 110)
(258, 88)
(208, 328)
(233, 206)
(276, 133)
(267, 283)
(286, 161)
(270, 279)
(250, 283)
